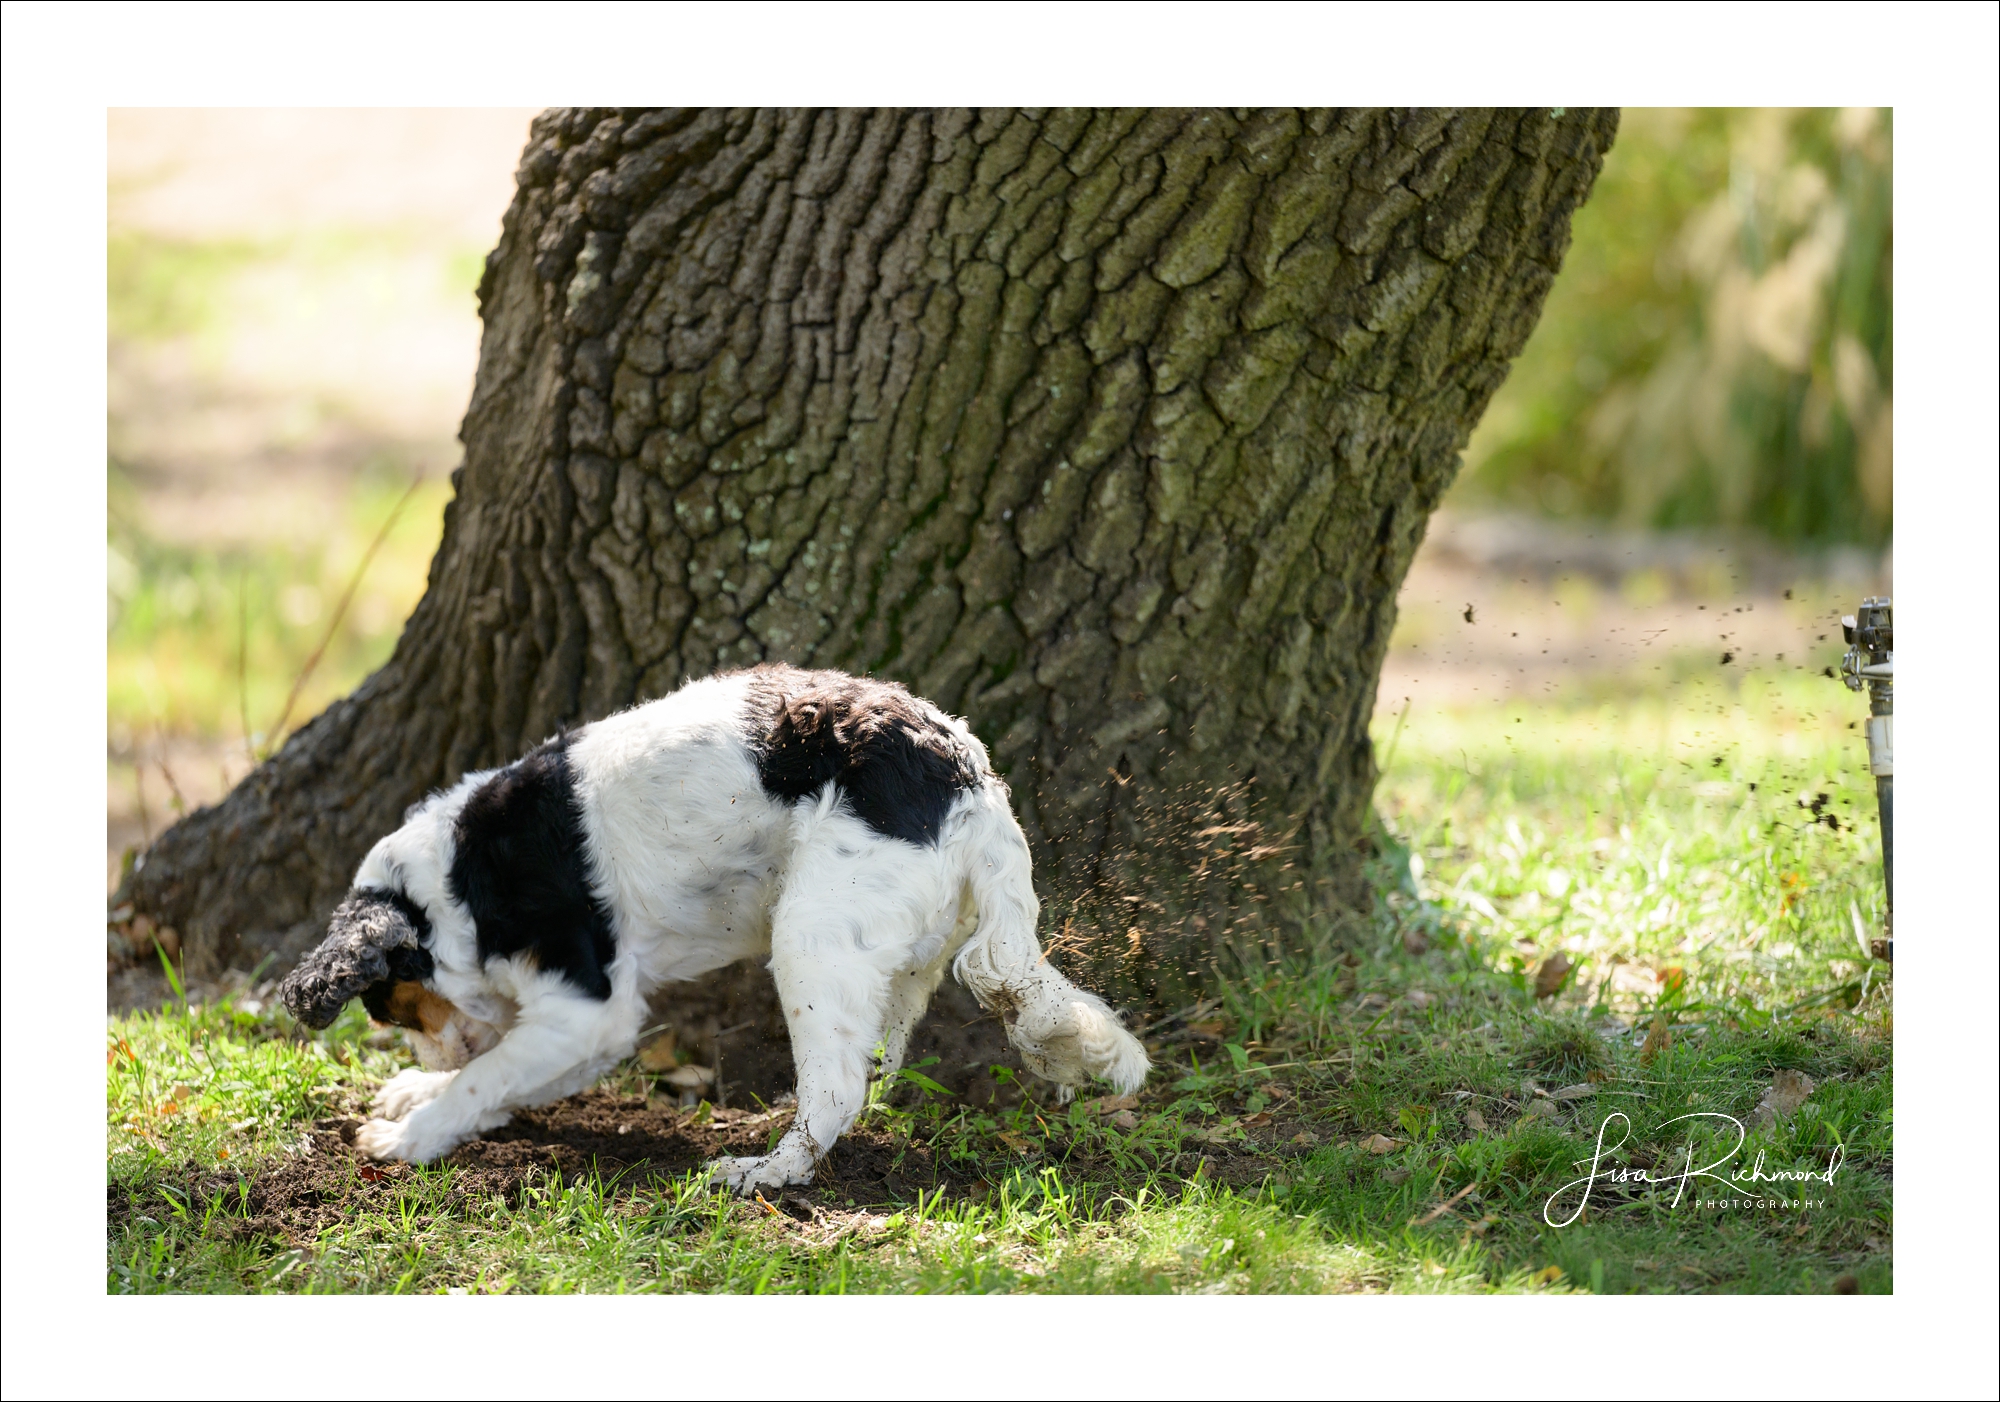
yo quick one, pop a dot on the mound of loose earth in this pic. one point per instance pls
(633, 1147)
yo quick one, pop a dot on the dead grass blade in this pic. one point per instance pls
(339, 612)
(1447, 1205)
(243, 656)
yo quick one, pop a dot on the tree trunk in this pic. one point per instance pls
(1112, 431)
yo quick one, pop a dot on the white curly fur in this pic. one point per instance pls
(699, 867)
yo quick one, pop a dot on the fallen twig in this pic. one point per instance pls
(1443, 1207)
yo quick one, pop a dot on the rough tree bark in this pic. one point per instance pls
(1113, 431)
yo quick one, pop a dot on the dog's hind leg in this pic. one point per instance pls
(852, 914)
(911, 989)
(1063, 1033)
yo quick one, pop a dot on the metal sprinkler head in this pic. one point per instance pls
(1871, 662)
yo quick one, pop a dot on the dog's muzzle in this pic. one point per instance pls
(459, 1040)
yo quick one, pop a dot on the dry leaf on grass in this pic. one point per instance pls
(659, 1054)
(1788, 1090)
(1659, 1039)
(1381, 1144)
(1549, 978)
(1575, 1092)
(1475, 1120)
(1262, 1117)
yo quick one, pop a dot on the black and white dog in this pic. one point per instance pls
(516, 923)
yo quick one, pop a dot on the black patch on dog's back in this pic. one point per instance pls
(896, 763)
(520, 870)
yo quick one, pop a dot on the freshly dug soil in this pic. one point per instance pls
(730, 1019)
(633, 1146)
(630, 1145)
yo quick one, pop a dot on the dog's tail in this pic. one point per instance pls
(1063, 1033)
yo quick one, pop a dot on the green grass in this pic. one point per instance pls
(1433, 1108)
(202, 638)
(1673, 828)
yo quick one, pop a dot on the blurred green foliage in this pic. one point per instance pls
(210, 639)
(1718, 350)
(161, 287)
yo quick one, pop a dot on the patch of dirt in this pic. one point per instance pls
(635, 1147)
(730, 1020)
(630, 1144)
(640, 1140)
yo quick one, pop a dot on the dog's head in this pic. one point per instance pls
(375, 950)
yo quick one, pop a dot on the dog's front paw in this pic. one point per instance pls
(407, 1090)
(382, 1139)
(745, 1176)
(410, 1140)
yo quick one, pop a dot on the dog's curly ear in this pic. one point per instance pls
(355, 955)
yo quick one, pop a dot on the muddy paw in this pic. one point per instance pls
(382, 1139)
(406, 1091)
(412, 1139)
(745, 1176)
